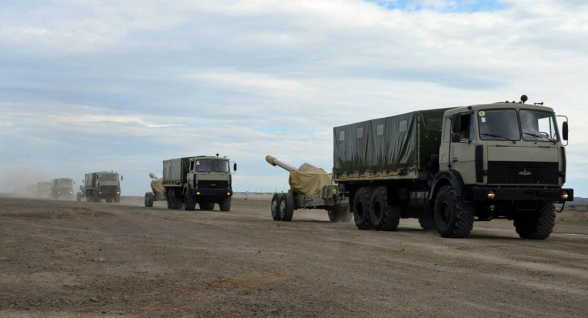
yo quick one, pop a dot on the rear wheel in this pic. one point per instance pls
(190, 202)
(361, 208)
(148, 199)
(286, 207)
(536, 225)
(453, 217)
(274, 207)
(384, 217)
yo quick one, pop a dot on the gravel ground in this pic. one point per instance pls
(70, 259)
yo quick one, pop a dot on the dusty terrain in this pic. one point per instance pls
(69, 259)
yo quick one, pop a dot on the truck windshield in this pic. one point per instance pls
(108, 177)
(538, 126)
(208, 165)
(64, 182)
(499, 124)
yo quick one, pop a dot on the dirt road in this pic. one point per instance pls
(69, 259)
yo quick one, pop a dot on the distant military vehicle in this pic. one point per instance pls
(31, 190)
(202, 180)
(62, 188)
(44, 189)
(451, 167)
(101, 185)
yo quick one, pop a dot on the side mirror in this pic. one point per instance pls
(235, 167)
(455, 124)
(455, 137)
(74, 182)
(565, 130)
(122, 178)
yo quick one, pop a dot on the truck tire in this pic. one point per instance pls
(89, 198)
(383, 216)
(274, 207)
(117, 198)
(361, 208)
(225, 204)
(286, 206)
(536, 225)
(178, 203)
(96, 197)
(334, 216)
(207, 206)
(189, 202)
(427, 222)
(453, 217)
(170, 200)
(79, 197)
(148, 199)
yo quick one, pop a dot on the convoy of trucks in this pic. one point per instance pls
(202, 180)
(446, 167)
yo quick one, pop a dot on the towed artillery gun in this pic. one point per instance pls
(310, 188)
(158, 193)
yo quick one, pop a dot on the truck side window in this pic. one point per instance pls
(359, 132)
(466, 127)
(342, 135)
(447, 130)
(472, 131)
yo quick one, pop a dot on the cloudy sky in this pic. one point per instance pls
(122, 85)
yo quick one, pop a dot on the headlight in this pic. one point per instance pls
(491, 194)
(228, 193)
(198, 193)
(565, 195)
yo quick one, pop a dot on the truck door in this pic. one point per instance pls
(463, 152)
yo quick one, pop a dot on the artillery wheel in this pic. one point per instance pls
(384, 216)
(536, 225)
(334, 216)
(361, 208)
(453, 216)
(274, 207)
(427, 222)
(286, 207)
(148, 199)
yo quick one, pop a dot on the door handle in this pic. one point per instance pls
(454, 160)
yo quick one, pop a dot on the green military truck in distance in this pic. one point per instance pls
(451, 167)
(202, 180)
(101, 185)
(44, 189)
(62, 188)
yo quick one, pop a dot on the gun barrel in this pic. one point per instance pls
(153, 176)
(275, 162)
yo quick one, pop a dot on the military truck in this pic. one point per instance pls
(44, 189)
(202, 180)
(451, 167)
(31, 190)
(101, 185)
(62, 188)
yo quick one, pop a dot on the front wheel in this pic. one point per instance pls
(536, 225)
(225, 204)
(286, 207)
(453, 217)
(117, 198)
(79, 197)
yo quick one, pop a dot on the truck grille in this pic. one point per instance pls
(512, 172)
(108, 188)
(207, 184)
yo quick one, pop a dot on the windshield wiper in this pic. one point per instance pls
(540, 136)
(492, 135)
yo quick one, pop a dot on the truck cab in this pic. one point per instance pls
(506, 158)
(62, 188)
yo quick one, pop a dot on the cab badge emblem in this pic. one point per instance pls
(525, 173)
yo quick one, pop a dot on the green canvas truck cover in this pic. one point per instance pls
(388, 144)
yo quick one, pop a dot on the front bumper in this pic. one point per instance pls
(522, 194)
(212, 193)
